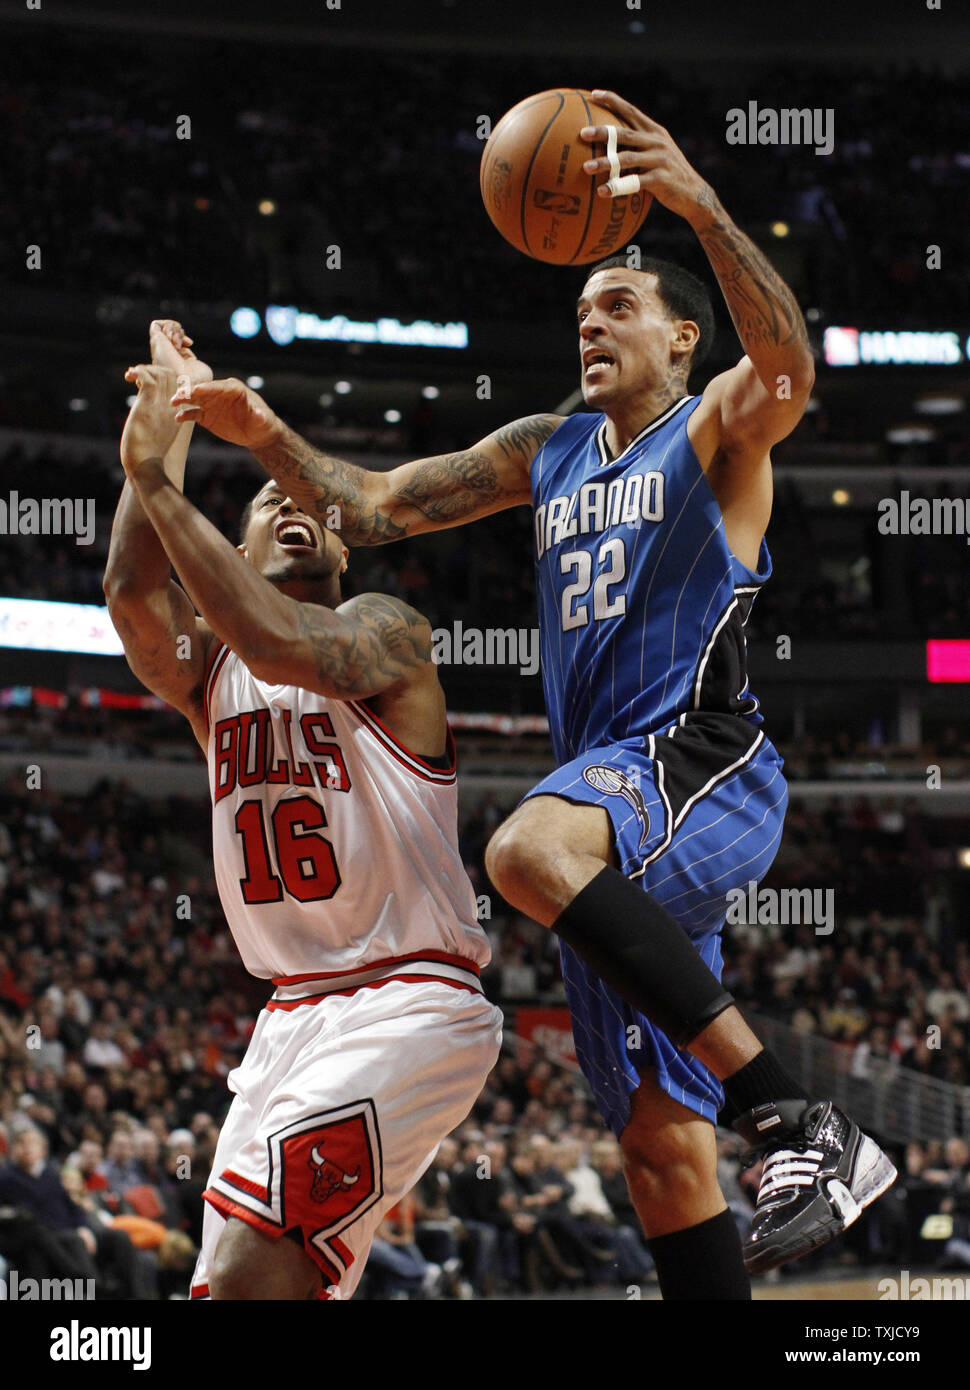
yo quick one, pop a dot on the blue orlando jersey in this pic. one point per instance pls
(642, 605)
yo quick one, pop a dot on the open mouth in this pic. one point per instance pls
(597, 362)
(295, 535)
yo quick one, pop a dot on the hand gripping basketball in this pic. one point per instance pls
(536, 191)
(641, 156)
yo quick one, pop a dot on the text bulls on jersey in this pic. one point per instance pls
(597, 506)
(246, 753)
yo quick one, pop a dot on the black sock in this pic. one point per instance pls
(759, 1081)
(703, 1262)
(641, 951)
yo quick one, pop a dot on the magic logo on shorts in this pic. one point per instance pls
(603, 778)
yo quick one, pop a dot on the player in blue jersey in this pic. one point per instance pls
(650, 511)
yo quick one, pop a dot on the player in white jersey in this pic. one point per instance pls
(332, 775)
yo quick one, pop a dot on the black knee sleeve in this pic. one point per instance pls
(641, 952)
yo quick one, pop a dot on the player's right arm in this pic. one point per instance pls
(166, 645)
(374, 508)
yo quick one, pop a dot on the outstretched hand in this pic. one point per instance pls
(172, 347)
(230, 409)
(151, 426)
(647, 152)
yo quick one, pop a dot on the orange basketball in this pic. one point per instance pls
(534, 188)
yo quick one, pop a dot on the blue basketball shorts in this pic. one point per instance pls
(697, 810)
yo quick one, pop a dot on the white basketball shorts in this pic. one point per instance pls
(347, 1088)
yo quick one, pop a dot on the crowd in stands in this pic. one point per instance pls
(76, 725)
(120, 203)
(123, 1006)
(91, 132)
(889, 977)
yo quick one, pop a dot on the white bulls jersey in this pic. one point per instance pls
(335, 848)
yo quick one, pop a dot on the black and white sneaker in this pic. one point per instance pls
(819, 1172)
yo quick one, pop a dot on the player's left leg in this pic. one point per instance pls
(250, 1265)
(670, 1163)
(554, 860)
(694, 814)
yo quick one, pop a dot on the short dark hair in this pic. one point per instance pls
(682, 293)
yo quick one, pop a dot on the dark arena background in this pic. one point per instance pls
(279, 181)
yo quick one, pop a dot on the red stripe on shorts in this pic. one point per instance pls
(254, 1189)
(441, 957)
(227, 1208)
(289, 1004)
(341, 1249)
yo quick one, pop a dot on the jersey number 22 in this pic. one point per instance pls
(612, 558)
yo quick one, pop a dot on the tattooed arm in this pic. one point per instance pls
(165, 644)
(371, 644)
(374, 507)
(368, 645)
(762, 399)
(759, 401)
(425, 495)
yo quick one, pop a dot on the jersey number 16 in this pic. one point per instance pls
(305, 858)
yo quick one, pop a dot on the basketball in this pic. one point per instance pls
(534, 188)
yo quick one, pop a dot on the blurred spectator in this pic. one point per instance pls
(64, 1235)
(396, 1265)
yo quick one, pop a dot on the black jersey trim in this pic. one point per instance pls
(709, 646)
(423, 767)
(673, 797)
(599, 437)
(217, 661)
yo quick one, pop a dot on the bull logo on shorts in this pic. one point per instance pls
(603, 778)
(328, 1177)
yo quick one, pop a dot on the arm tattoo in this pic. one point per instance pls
(151, 648)
(374, 642)
(526, 436)
(321, 481)
(454, 486)
(447, 488)
(443, 490)
(765, 312)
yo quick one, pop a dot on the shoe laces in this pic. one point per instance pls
(789, 1168)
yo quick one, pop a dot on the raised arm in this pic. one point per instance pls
(759, 401)
(367, 646)
(762, 399)
(374, 508)
(165, 644)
